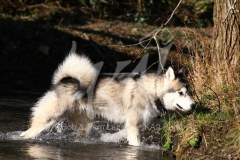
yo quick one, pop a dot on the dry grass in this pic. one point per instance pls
(216, 84)
(190, 133)
(221, 77)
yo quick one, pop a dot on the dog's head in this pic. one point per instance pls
(176, 92)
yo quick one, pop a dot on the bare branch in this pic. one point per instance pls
(160, 29)
(163, 25)
(232, 8)
(153, 35)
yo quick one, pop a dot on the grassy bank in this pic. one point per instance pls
(213, 131)
(32, 47)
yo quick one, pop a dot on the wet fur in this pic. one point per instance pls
(79, 97)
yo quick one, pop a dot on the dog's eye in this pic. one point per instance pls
(180, 93)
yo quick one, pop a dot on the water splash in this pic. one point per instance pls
(151, 146)
(60, 132)
(117, 137)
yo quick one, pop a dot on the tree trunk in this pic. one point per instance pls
(226, 41)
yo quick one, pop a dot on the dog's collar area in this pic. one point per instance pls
(160, 107)
(159, 104)
(162, 95)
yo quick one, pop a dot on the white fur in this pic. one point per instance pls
(173, 99)
(129, 101)
(78, 67)
(170, 74)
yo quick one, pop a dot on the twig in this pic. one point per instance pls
(232, 8)
(219, 104)
(155, 32)
(163, 25)
(150, 67)
(149, 41)
(153, 35)
(38, 5)
(205, 139)
(160, 29)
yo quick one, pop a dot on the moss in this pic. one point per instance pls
(194, 142)
(168, 144)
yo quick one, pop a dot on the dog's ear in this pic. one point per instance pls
(170, 75)
(183, 71)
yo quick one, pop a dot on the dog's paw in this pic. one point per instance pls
(134, 141)
(22, 134)
(29, 134)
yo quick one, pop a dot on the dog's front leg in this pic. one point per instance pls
(133, 135)
(81, 122)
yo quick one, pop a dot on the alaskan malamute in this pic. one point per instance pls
(78, 94)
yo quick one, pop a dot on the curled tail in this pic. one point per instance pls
(74, 75)
(77, 67)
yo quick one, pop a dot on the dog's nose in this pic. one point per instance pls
(193, 106)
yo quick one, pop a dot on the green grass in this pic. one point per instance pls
(210, 131)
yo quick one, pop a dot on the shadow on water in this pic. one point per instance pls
(53, 144)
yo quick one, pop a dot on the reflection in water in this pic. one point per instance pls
(44, 152)
(97, 151)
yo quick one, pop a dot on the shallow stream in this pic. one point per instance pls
(59, 142)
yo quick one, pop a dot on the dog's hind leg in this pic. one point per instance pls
(46, 113)
(49, 109)
(81, 122)
(52, 106)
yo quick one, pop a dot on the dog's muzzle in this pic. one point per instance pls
(193, 106)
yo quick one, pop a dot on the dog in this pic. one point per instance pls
(79, 94)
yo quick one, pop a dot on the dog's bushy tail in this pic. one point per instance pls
(72, 78)
(77, 67)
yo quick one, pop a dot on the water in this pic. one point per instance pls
(59, 142)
